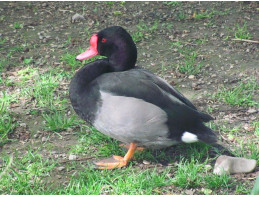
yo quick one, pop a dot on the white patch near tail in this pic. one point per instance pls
(188, 137)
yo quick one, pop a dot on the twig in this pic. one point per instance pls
(79, 159)
(7, 167)
(244, 40)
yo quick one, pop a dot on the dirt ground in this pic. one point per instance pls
(49, 32)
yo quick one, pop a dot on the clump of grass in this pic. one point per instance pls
(216, 181)
(2, 40)
(69, 59)
(173, 3)
(17, 25)
(240, 95)
(144, 31)
(27, 175)
(59, 121)
(190, 65)
(7, 124)
(203, 15)
(241, 32)
(188, 174)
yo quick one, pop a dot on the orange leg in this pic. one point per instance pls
(128, 145)
(117, 161)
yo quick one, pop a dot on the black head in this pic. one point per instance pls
(116, 44)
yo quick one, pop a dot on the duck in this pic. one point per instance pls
(131, 104)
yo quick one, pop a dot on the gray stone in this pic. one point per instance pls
(60, 168)
(233, 165)
(77, 17)
(72, 157)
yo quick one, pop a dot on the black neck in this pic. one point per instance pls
(88, 73)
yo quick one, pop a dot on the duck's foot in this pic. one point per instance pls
(127, 146)
(117, 161)
(111, 163)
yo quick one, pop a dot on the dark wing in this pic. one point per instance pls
(141, 84)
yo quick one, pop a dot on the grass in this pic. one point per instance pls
(241, 32)
(59, 121)
(191, 64)
(240, 95)
(17, 25)
(7, 123)
(144, 31)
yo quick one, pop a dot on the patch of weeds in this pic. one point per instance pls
(7, 121)
(200, 151)
(215, 181)
(95, 143)
(3, 63)
(248, 150)
(68, 41)
(173, 3)
(7, 124)
(17, 25)
(181, 15)
(256, 128)
(27, 74)
(2, 40)
(190, 66)
(188, 174)
(144, 31)
(14, 50)
(117, 13)
(240, 95)
(27, 175)
(59, 121)
(241, 188)
(203, 15)
(110, 3)
(27, 61)
(119, 182)
(70, 60)
(44, 91)
(241, 32)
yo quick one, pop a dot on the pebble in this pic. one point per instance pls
(60, 168)
(191, 77)
(77, 17)
(233, 165)
(44, 139)
(146, 162)
(72, 157)
(23, 125)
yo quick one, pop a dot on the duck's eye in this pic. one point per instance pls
(104, 40)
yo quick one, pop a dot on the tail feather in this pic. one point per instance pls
(205, 134)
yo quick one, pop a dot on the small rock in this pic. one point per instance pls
(44, 139)
(146, 162)
(191, 77)
(233, 165)
(69, 129)
(251, 111)
(189, 192)
(23, 124)
(77, 17)
(72, 157)
(60, 168)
